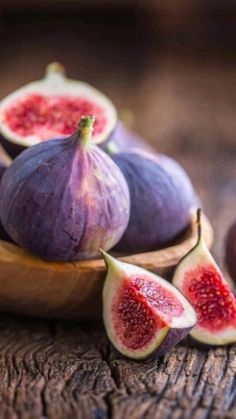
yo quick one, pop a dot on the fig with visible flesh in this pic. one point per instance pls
(230, 251)
(144, 315)
(202, 283)
(64, 199)
(160, 204)
(51, 108)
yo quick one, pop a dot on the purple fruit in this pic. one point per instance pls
(64, 199)
(180, 177)
(160, 205)
(123, 139)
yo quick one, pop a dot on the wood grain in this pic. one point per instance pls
(32, 286)
(55, 370)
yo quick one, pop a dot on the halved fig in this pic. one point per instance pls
(203, 284)
(51, 108)
(144, 315)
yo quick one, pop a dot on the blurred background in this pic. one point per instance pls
(169, 67)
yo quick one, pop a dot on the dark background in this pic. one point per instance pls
(169, 68)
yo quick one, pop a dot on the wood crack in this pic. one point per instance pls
(56, 370)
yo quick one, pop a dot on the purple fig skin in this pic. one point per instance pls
(124, 139)
(63, 201)
(160, 211)
(230, 251)
(172, 339)
(3, 235)
(181, 179)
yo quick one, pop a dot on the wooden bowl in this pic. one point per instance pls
(31, 286)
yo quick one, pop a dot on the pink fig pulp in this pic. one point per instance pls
(203, 284)
(144, 315)
(51, 108)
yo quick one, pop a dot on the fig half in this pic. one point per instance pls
(203, 284)
(51, 108)
(144, 315)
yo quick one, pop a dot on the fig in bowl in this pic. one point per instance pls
(161, 203)
(64, 199)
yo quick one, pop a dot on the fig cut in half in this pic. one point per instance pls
(202, 282)
(144, 315)
(51, 108)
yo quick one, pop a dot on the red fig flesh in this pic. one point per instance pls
(201, 281)
(144, 315)
(51, 108)
(64, 199)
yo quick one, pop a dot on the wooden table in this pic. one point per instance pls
(185, 106)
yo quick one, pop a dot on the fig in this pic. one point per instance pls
(51, 108)
(124, 139)
(144, 315)
(160, 205)
(203, 284)
(230, 251)
(64, 199)
(180, 177)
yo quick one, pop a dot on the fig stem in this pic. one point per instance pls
(112, 264)
(199, 226)
(55, 68)
(86, 129)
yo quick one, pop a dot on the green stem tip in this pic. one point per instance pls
(55, 68)
(86, 129)
(112, 264)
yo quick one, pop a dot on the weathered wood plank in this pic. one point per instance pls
(58, 370)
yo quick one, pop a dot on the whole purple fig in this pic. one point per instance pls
(64, 199)
(160, 204)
